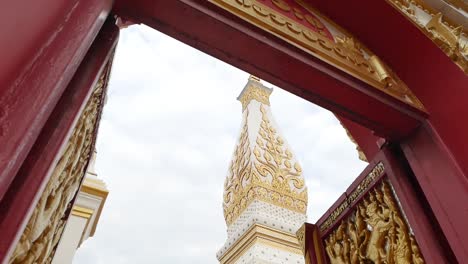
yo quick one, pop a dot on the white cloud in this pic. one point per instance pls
(165, 143)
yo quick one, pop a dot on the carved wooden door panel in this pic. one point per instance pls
(381, 218)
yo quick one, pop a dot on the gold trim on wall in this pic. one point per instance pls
(82, 212)
(95, 188)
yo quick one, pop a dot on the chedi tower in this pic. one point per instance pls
(265, 197)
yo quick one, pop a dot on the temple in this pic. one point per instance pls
(394, 72)
(265, 197)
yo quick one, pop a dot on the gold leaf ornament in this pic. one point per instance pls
(272, 176)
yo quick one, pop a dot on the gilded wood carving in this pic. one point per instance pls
(376, 232)
(363, 186)
(44, 229)
(447, 35)
(298, 24)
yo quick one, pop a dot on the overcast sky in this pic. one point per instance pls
(165, 142)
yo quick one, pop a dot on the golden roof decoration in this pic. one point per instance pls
(297, 23)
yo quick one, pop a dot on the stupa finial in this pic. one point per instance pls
(254, 78)
(254, 90)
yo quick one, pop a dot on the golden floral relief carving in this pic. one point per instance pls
(274, 160)
(255, 93)
(370, 178)
(239, 174)
(376, 232)
(45, 226)
(345, 53)
(269, 175)
(448, 36)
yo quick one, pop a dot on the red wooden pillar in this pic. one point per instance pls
(443, 184)
(365, 138)
(27, 185)
(43, 43)
(312, 245)
(432, 244)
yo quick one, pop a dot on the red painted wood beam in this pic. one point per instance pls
(364, 138)
(443, 185)
(431, 241)
(42, 45)
(222, 35)
(313, 248)
(23, 194)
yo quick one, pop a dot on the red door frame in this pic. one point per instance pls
(41, 56)
(43, 43)
(25, 190)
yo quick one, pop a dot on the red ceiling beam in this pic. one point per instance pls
(224, 36)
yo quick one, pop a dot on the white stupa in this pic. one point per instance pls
(265, 197)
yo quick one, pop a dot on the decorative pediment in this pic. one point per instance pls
(299, 24)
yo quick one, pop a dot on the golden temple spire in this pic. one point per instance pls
(264, 191)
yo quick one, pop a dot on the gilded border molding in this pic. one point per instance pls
(451, 38)
(82, 212)
(44, 229)
(363, 186)
(345, 53)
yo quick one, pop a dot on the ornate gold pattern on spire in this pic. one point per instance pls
(254, 92)
(270, 175)
(376, 232)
